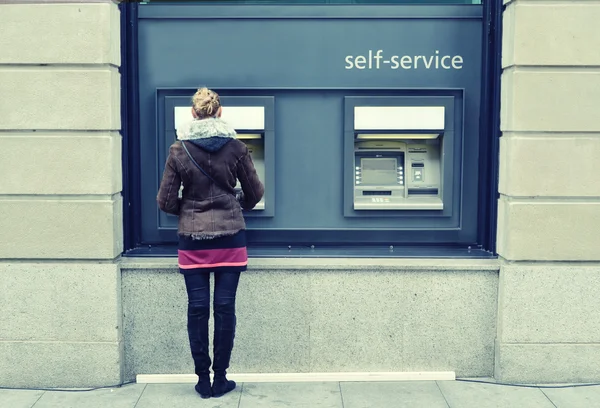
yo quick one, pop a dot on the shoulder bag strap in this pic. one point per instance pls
(200, 168)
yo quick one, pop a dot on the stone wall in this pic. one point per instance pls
(60, 194)
(324, 315)
(549, 206)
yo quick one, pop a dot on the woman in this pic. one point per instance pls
(208, 160)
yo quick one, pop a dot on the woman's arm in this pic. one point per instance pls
(252, 187)
(168, 193)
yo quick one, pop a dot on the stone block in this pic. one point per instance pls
(313, 394)
(154, 323)
(182, 395)
(545, 100)
(296, 315)
(508, 35)
(82, 33)
(59, 364)
(574, 397)
(20, 398)
(126, 396)
(52, 98)
(69, 163)
(548, 230)
(61, 228)
(551, 34)
(473, 395)
(547, 363)
(279, 303)
(549, 303)
(541, 165)
(272, 330)
(403, 321)
(60, 302)
(389, 394)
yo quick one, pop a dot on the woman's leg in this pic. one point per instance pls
(226, 284)
(198, 290)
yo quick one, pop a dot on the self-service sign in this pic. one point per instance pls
(379, 60)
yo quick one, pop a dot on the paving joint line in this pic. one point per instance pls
(38, 400)
(341, 393)
(241, 392)
(140, 397)
(442, 392)
(551, 402)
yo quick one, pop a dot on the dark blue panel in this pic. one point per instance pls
(304, 53)
(303, 64)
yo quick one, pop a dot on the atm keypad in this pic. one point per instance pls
(400, 175)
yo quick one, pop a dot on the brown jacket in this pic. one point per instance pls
(207, 210)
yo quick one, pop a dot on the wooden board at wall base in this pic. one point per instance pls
(302, 377)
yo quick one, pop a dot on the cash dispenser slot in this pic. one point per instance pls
(423, 191)
(249, 123)
(397, 158)
(376, 193)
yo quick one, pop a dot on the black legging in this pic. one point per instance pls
(198, 290)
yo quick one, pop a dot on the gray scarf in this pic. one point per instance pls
(210, 134)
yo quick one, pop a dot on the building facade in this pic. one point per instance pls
(508, 287)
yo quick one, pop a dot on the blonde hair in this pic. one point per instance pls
(206, 103)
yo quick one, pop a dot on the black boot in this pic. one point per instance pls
(203, 387)
(225, 322)
(198, 335)
(221, 386)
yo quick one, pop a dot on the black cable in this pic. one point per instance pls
(458, 379)
(529, 386)
(67, 390)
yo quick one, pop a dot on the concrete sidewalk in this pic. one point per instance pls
(425, 394)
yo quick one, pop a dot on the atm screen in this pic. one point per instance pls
(378, 170)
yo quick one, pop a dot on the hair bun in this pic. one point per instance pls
(206, 103)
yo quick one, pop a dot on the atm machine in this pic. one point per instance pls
(249, 123)
(398, 157)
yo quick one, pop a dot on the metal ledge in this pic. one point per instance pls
(324, 259)
(303, 251)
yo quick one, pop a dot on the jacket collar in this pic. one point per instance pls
(197, 129)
